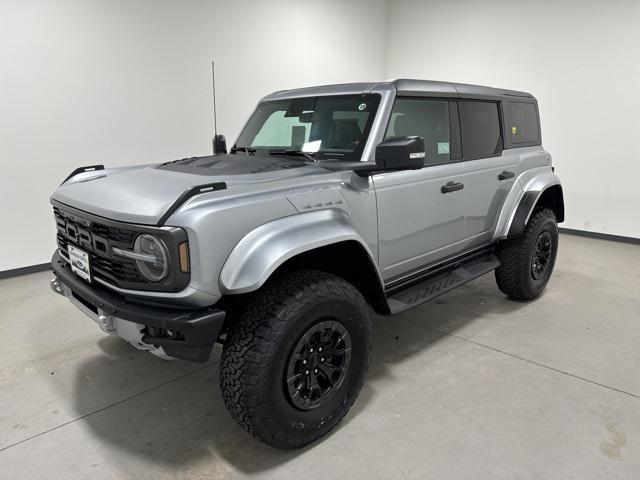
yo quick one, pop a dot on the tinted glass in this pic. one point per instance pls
(332, 126)
(524, 122)
(480, 129)
(425, 118)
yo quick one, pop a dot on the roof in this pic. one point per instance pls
(417, 87)
(338, 89)
(408, 87)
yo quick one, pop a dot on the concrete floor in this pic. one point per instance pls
(472, 385)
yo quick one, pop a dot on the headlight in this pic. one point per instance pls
(152, 258)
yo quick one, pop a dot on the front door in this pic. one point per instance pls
(421, 213)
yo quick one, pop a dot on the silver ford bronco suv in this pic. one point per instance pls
(333, 203)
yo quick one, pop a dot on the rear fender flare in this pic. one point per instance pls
(522, 199)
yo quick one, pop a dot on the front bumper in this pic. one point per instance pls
(186, 334)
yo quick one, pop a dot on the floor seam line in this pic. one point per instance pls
(533, 362)
(106, 407)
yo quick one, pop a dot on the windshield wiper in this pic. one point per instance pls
(247, 150)
(300, 153)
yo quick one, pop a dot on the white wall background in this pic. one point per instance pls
(126, 82)
(581, 59)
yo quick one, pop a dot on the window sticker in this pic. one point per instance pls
(362, 106)
(443, 147)
(514, 130)
(312, 147)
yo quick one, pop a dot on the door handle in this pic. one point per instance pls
(504, 175)
(451, 187)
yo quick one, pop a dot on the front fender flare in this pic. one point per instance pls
(260, 252)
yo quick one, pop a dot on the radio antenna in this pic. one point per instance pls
(218, 143)
(213, 84)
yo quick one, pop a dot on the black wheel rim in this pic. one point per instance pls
(541, 255)
(318, 364)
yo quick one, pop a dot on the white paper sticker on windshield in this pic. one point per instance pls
(312, 147)
(443, 147)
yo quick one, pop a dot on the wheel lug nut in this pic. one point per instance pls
(315, 371)
(306, 372)
(311, 351)
(304, 362)
(320, 349)
(322, 359)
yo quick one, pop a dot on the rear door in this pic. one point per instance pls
(490, 172)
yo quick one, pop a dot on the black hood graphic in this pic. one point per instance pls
(232, 164)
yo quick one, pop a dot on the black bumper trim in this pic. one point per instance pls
(200, 328)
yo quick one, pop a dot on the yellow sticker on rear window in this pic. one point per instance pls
(514, 130)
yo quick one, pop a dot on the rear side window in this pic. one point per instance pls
(480, 129)
(524, 123)
(428, 119)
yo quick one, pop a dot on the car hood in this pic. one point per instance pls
(144, 194)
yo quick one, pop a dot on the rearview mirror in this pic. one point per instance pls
(400, 153)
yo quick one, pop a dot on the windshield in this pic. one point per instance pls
(328, 127)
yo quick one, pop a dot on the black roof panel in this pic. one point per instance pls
(413, 87)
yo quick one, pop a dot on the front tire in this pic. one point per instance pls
(294, 364)
(527, 261)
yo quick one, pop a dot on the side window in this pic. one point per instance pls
(480, 129)
(425, 118)
(524, 122)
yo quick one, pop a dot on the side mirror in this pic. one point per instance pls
(400, 153)
(219, 145)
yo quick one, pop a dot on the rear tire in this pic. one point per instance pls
(527, 261)
(264, 378)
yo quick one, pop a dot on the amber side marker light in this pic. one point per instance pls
(183, 252)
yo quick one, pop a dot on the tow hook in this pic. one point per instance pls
(106, 323)
(54, 283)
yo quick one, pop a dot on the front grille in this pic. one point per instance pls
(97, 239)
(115, 234)
(98, 236)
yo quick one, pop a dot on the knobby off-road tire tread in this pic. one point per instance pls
(514, 256)
(251, 345)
